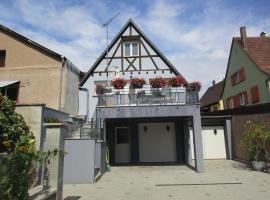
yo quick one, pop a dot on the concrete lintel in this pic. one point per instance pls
(147, 111)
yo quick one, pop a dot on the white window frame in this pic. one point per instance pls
(131, 49)
(242, 99)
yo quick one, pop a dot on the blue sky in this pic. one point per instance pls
(195, 35)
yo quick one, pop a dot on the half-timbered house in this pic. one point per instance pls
(145, 125)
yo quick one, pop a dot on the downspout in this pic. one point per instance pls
(87, 102)
(61, 82)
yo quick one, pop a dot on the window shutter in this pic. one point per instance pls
(255, 94)
(228, 103)
(236, 101)
(242, 75)
(246, 97)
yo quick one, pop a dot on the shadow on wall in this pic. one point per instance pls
(72, 198)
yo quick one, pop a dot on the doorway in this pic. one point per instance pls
(122, 145)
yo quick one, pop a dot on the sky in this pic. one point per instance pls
(195, 35)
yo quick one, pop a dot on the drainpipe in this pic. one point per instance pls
(87, 102)
(60, 83)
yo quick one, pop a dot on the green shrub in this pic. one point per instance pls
(255, 139)
(18, 143)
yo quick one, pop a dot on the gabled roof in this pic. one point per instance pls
(31, 43)
(258, 49)
(103, 55)
(212, 95)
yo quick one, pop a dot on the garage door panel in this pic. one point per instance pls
(213, 142)
(157, 142)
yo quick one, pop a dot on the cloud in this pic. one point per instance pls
(195, 36)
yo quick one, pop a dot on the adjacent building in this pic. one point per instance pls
(33, 74)
(212, 98)
(247, 80)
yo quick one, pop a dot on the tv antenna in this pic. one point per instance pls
(106, 24)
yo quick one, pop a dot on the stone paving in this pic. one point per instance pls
(223, 179)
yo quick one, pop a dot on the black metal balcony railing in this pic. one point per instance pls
(147, 96)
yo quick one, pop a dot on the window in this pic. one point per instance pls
(11, 91)
(238, 77)
(131, 49)
(122, 135)
(243, 98)
(231, 102)
(2, 58)
(255, 98)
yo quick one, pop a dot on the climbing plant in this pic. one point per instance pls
(17, 147)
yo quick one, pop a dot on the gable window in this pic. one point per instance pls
(131, 49)
(255, 98)
(2, 58)
(238, 76)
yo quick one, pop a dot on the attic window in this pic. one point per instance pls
(2, 58)
(131, 49)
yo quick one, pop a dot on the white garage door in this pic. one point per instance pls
(157, 142)
(213, 142)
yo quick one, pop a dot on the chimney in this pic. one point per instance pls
(263, 34)
(243, 34)
(214, 82)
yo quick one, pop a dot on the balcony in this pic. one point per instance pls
(147, 96)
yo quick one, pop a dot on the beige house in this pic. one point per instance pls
(33, 74)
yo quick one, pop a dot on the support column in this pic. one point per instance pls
(188, 152)
(228, 137)
(198, 145)
(55, 139)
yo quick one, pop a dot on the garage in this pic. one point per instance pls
(213, 142)
(157, 142)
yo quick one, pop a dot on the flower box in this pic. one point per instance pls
(158, 82)
(137, 83)
(118, 83)
(177, 81)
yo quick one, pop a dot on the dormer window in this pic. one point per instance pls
(131, 49)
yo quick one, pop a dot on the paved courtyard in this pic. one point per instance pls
(223, 179)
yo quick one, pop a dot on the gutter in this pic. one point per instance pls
(87, 101)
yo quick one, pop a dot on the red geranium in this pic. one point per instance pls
(118, 83)
(195, 85)
(137, 82)
(158, 82)
(177, 81)
(100, 89)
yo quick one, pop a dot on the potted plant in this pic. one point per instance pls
(158, 82)
(137, 83)
(177, 81)
(100, 89)
(118, 83)
(194, 86)
(255, 138)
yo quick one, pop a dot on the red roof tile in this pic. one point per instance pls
(258, 48)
